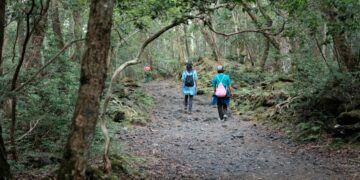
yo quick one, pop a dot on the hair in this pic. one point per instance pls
(188, 67)
(220, 69)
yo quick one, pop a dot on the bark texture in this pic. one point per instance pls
(92, 81)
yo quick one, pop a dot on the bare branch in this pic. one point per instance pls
(32, 127)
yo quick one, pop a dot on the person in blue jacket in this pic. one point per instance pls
(189, 78)
(222, 102)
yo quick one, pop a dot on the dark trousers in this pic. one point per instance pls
(188, 102)
(222, 109)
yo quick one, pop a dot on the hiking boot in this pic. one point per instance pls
(225, 117)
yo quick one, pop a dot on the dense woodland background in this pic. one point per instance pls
(294, 63)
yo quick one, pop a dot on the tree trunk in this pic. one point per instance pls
(92, 81)
(180, 47)
(285, 48)
(265, 54)
(258, 25)
(33, 54)
(2, 32)
(188, 53)
(56, 24)
(342, 46)
(323, 47)
(211, 41)
(345, 53)
(4, 166)
(21, 35)
(77, 34)
(251, 55)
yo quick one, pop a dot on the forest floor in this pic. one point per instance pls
(177, 145)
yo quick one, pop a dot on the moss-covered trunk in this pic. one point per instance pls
(92, 81)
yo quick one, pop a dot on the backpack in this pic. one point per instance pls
(189, 80)
(220, 90)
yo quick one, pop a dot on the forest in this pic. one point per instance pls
(76, 101)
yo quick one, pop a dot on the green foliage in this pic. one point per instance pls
(309, 131)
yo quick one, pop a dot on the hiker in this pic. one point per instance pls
(189, 77)
(222, 92)
(147, 70)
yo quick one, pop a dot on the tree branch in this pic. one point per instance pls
(47, 64)
(322, 54)
(32, 127)
(239, 32)
(123, 40)
(258, 25)
(262, 30)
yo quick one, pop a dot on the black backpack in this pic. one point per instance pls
(189, 80)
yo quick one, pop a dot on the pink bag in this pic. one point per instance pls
(220, 90)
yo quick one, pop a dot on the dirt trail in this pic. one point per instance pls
(176, 145)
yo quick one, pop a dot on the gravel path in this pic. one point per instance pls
(177, 145)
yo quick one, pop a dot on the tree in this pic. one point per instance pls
(75, 10)
(92, 81)
(211, 41)
(4, 166)
(33, 55)
(337, 19)
(2, 31)
(340, 17)
(56, 24)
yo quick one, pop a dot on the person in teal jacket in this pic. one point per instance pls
(188, 87)
(222, 102)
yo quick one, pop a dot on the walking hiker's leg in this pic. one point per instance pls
(190, 102)
(186, 101)
(220, 110)
(225, 114)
